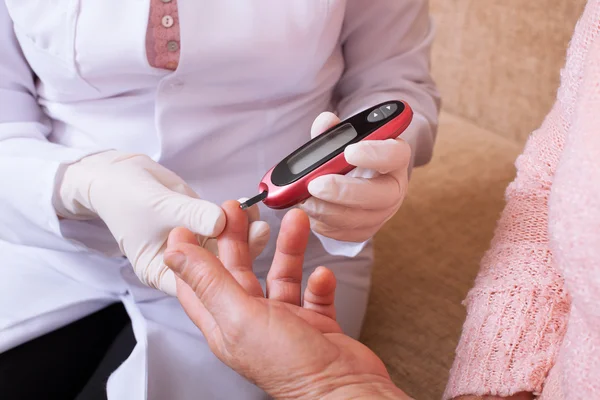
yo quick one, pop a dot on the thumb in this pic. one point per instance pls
(214, 286)
(324, 121)
(199, 216)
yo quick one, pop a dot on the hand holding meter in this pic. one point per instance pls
(286, 184)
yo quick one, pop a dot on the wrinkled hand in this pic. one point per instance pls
(289, 346)
(353, 207)
(140, 202)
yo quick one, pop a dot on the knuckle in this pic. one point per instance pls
(348, 218)
(391, 191)
(286, 280)
(208, 218)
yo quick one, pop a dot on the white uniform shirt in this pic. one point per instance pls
(252, 77)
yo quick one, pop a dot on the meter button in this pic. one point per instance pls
(375, 116)
(388, 109)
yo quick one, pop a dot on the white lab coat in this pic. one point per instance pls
(74, 80)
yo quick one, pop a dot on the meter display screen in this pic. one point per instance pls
(321, 148)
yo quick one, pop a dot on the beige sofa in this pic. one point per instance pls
(497, 64)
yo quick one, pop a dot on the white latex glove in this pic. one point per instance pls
(353, 207)
(141, 201)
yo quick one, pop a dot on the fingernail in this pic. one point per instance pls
(350, 150)
(175, 260)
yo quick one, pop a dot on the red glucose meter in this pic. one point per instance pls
(286, 184)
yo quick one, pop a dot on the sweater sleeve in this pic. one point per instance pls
(29, 163)
(517, 311)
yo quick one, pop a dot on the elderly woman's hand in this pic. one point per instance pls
(289, 345)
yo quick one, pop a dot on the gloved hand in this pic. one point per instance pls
(140, 201)
(353, 207)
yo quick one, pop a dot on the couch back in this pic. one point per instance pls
(497, 62)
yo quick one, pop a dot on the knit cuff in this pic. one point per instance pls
(509, 342)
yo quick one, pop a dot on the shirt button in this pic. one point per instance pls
(166, 1)
(167, 21)
(172, 45)
(171, 65)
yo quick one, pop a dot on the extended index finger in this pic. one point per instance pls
(234, 251)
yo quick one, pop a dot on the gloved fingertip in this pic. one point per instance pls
(256, 250)
(355, 152)
(258, 237)
(168, 283)
(317, 186)
(205, 218)
(324, 121)
(351, 149)
(259, 225)
(220, 220)
(259, 231)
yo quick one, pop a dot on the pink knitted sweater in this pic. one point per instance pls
(533, 319)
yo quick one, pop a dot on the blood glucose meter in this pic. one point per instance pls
(286, 184)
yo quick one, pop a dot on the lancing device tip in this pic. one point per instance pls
(252, 201)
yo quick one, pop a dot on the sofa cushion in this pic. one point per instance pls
(427, 255)
(497, 62)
